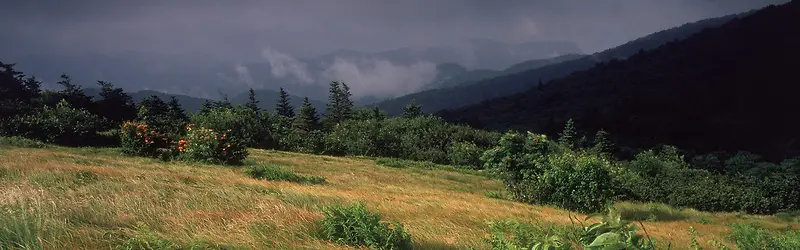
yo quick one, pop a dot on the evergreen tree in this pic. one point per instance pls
(114, 104)
(602, 145)
(339, 107)
(284, 106)
(412, 109)
(155, 113)
(540, 86)
(307, 119)
(176, 111)
(17, 93)
(252, 103)
(207, 106)
(224, 103)
(377, 114)
(567, 136)
(73, 94)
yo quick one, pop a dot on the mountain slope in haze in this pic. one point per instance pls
(468, 94)
(204, 76)
(734, 87)
(472, 76)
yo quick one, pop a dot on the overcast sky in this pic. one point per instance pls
(241, 29)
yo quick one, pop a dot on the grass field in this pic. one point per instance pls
(89, 198)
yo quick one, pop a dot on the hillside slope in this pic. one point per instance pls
(95, 198)
(728, 88)
(465, 95)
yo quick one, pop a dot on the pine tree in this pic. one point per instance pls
(175, 111)
(252, 102)
(207, 107)
(74, 94)
(284, 106)
(155, 112)
(346, 102)
(377, 114)
(224, 103)
(307, 119)
(567, 136)
(412, 109)
(115, 104)
(602, 145)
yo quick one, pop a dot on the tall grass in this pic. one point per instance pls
(28, 226)
(751, 236)
(275, 173)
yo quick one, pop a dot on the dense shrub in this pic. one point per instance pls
(355, 225)
(275, 173)
(61, 124)
(141, 140)
(216, 147)
(21, 142)
(465, 154)
(749, 236)
(663, 176)
(537, 170)
(243, 123)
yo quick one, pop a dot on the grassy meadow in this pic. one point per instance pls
(96, 198)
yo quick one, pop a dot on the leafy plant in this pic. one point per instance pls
(207, 145)
(275, 173)
(355, 225)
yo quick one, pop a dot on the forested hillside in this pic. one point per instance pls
(729, 88)
(508, 84)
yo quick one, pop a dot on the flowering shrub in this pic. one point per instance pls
(139, 139)
(207, 145)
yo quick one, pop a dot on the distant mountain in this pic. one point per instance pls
(461, 95)
(473, 76)
(199, 76)
(733, 87)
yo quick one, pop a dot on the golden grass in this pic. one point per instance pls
(187, 203)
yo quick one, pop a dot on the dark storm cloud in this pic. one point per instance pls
(307, 27)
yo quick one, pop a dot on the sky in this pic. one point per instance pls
(303, 28)
(182, 36)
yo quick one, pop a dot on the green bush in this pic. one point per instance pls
(356, 226)
(465, 154)
(240, 122)
(21, 142)
(515, 235)
(749, 236)
(215, 147)
(61, 124)
(275, 173)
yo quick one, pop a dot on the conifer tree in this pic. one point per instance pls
(339, 107)
(377, 114)
(252, 102)
(412, 109)
(567, 136)
(602, 145)
(175, 111)
(74, 94)
(284, 106)
(306, 120)
(207, 106)
(115, 104)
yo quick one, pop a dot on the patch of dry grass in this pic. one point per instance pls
(94, 193)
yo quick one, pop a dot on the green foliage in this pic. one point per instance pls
(567, 137)
(216, 147)
(114, 104)
(61, 124)
(515, 235)
(614, 233)
(465, 154)
(535, 171)
(750, 236)
(284, 106)
(412, 110)
(307, 120)
(244, 124)
(275, 173)
(22, 142)
(340, 106)
(145, 239)
(17, 93)
(662, 176)
(602, 145)
(356, 226)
